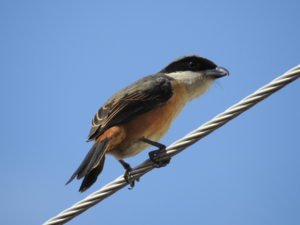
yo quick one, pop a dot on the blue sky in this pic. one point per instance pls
(61, 60)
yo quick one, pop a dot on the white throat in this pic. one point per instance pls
(196, 83)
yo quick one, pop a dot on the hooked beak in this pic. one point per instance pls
(217, 73)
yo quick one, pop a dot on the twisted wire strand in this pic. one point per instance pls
(177, 146)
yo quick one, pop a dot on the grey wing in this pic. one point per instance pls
(134, 100)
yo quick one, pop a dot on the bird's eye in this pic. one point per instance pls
(192, 64)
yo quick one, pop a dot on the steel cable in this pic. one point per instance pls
(178, 146)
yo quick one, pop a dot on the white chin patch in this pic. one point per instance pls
(196, 83)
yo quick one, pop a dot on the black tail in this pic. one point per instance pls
(91, 166)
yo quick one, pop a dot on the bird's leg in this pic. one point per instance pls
(127, 174)
(152, 154)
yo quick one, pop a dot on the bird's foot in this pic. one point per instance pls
(161, 163)
(127, 175)
(152, 154)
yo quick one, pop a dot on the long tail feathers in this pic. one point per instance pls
(91, 177)
(91, 166)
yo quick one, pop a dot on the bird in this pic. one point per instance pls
(139, 115)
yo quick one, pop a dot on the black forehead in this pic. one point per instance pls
(181, 64)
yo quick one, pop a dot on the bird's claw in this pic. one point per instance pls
(127, 176)
(161, 163)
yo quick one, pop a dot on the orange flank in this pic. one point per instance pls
(115, 135)
(154, 123)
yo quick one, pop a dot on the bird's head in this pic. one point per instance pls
(195, 72)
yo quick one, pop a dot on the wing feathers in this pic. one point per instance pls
(149, 93)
